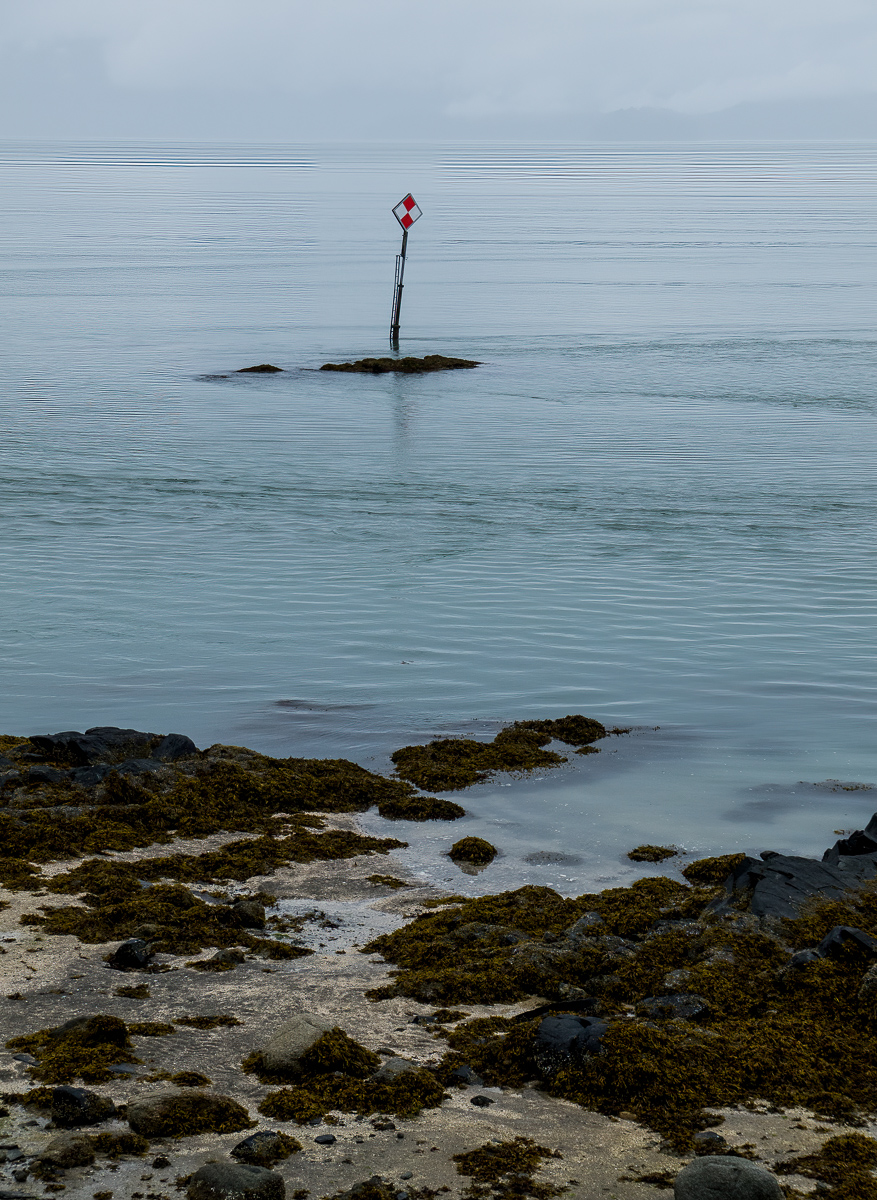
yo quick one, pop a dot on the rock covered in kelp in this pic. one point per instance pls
(403, 366)
(283, 1051)
(235, 1181)
(75, 1106)
(259, 369)
(725, 1178)
(172, 1114)
(679, 1006)
(566, 1041)
(69, 1150)
(473, 850)
(266, 1147)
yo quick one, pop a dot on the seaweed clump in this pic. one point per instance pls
(473, 850)
(207, 1022)
(404, 366)
(85, 1047)
(700, 1010)
(449, 764)
(504, 1170)
(712, 870)
(175, 921)
(651, 853)
(844, 1163)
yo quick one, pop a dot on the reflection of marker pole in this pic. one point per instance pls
(406, 213)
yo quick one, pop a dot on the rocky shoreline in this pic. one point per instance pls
(216, 985)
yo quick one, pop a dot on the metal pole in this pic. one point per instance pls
(397, 292)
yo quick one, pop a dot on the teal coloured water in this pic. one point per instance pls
(653, 503)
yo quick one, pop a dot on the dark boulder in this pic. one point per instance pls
(176, 1114)
(565, 1041)
(69, 1150)
(264, 1148)
(46, 775)
(235, 1181)
(686, 1006)
(844, 939)
(133, 955)
(779, 884)
(863, 841)
(725, 1178)
(174, 746)
(75, 1106)
(259, 369)
(90, 776)
(250, 914)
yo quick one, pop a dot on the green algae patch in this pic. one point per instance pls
(85, 1048)
(405, 1096)
(473, 850)
(648, 853)
(403, 366)
(137, 992)
(505, 1170)
(189, 1079)
(712, 870)
(844, 1163)
(19, 876)
(150, 1029)
(449, 764)
(389, 881)
(207, 1022)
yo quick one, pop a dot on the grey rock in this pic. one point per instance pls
(69, 1150)
(133, 955)
(138, 766)
(803, 958)
(466, 1076)
(6, 763)
(845, 938)
(161, 1113)
(293, 1039)
(868, 987)
(28, 1059)
(393, 1068)
(235, 1181)
(7, 1194)
(863, 841)
(725, 1178)
(586, 927)
(90, 776)
(675, 981)
(566, 1041)
(326, 1139)
(250, 914)
(687, 1006)
(74, 1106)
(261, 1149)
(779, 884)
(709, 1142)
(482, 1101)
(45, 775)
(174, 746)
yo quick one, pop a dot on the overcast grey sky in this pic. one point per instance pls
(296, 70)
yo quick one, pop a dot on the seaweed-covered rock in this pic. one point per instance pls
(74, 1106)
(565, 1041)
(780, 884)
(69, 1150)
(250, 913)
(259, 369)
(392, 1068)
(684, 1006)
(169, 1114)
(845, 939)
(133, 955)
(266, 1147)
(725, 1178)
(404, 366)
(473, 850)
(83, 1046)
(174, 746)
(283, 1051)
(235, 1181)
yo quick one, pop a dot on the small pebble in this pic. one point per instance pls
(407, 1175)
(482, 1101)
(325, 1139)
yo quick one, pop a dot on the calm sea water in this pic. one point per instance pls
(654, 502)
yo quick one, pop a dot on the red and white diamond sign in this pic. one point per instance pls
(406, 212)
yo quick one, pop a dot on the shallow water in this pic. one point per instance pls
(653, 503)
